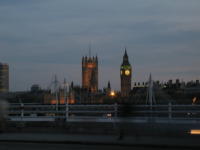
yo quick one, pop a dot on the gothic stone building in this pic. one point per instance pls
(90, 73)
(126, 75)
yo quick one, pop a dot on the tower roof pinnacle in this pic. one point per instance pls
(109, 87)
(125, 58)
(125, 54)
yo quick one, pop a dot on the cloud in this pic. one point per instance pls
(39, 35)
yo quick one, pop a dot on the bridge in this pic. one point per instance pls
(114, 124)
(112, 112)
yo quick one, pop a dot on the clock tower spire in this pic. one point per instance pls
(126, 75)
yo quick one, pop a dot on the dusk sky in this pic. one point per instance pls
(41, 38)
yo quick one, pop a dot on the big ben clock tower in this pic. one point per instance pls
(126, 74)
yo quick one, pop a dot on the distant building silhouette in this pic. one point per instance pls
(108, 89)
(90, 73)
(126, 75)
(35, 88)
(4, 78)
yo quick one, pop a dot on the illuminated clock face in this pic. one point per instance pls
(121, 72)
(127, 72)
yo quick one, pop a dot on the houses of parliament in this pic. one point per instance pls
(88, 93)
(90, 74)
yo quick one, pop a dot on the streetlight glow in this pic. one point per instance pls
(112, 93)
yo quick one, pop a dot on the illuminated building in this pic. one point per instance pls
(90, 73)
(4, 78)
(126, 74)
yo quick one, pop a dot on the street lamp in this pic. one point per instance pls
(112, 93)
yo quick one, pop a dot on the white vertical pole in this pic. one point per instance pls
(56, 102)
(56, 92)
(66, 103)
(150, 91)
(66, 111)
(65, 90)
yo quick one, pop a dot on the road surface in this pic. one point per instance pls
(49, 146)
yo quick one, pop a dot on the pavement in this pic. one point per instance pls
(56, 146)
(161, 134)
(190, 141)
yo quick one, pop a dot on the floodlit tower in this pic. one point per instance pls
(4, 77)
(126, 75)
(90, 73)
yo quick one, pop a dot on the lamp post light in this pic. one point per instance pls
(112, 94)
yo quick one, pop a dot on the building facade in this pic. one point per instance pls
(90, 73)
(4, 78)
(126, 75)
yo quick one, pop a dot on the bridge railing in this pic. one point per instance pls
(67, 111)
